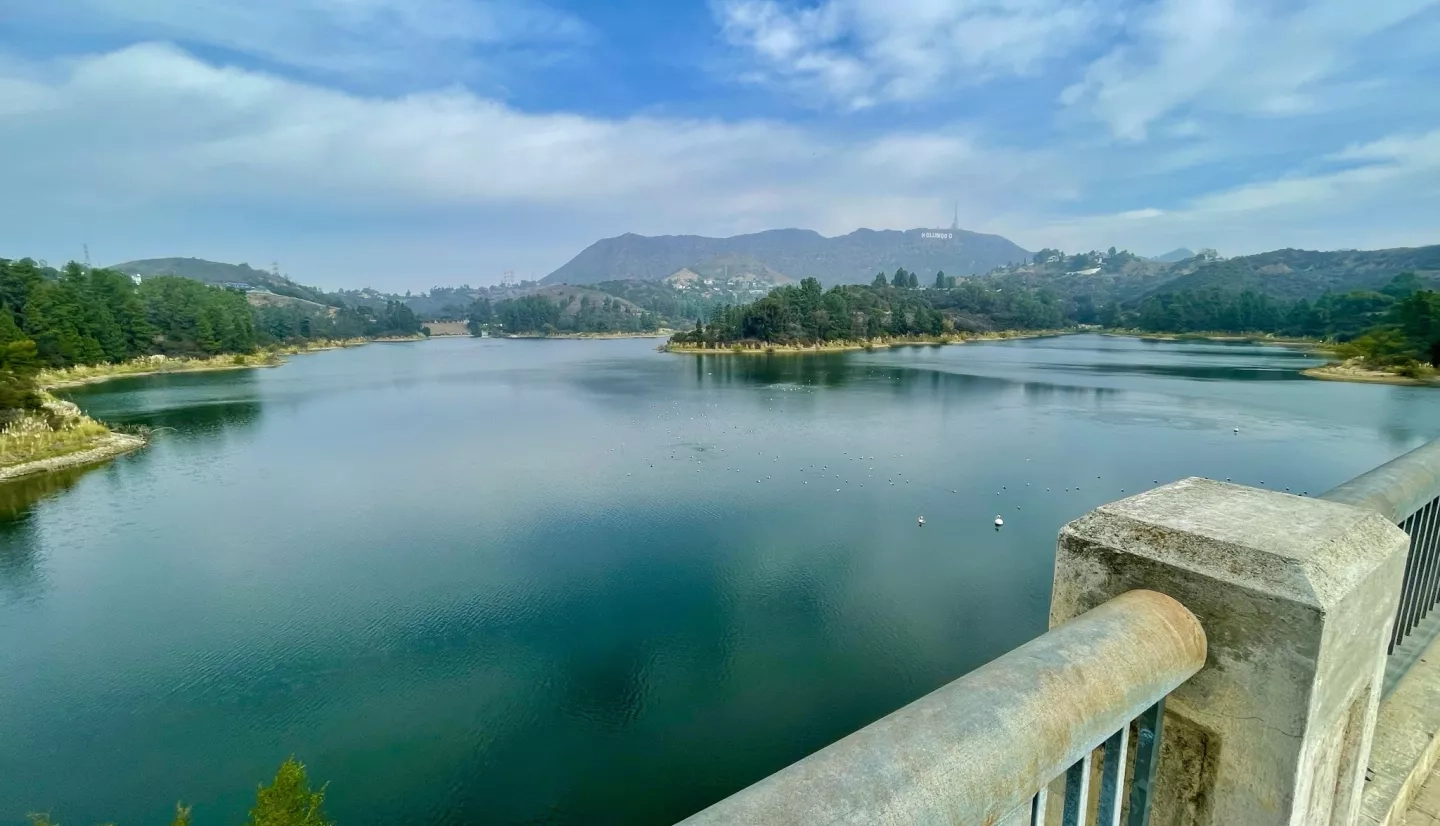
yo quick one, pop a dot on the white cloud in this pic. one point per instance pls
(861, 52)
(151, 127)
(420, 38)
(149, 144)
(1386, 196)
(1263, 58)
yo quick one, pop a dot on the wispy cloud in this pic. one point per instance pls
(858, 53)
(1209, 57)
(417, 39)
(1386, 194)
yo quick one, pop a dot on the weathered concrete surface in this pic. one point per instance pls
(1407, 742)
(977, 749)
(1296, 596)
(1425, 811)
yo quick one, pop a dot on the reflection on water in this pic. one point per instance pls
(17, 496)
(517, 582)
(189, 404)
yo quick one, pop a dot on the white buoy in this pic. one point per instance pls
(999, 522)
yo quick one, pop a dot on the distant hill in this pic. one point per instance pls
(569, 297)
(1294, 274)
(214, 272)
(734, 267)
(1174, 255)
(798, 253)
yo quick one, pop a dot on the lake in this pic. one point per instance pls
(583, 582)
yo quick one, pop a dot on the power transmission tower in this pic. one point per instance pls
(87, 255)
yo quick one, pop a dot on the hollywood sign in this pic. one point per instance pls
(944, 236)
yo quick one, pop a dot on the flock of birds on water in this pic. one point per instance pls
(815, 473)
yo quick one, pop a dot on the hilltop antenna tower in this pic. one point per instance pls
(508, 279)
(87, 255)
(955, 224)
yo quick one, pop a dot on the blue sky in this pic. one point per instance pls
(408, 143)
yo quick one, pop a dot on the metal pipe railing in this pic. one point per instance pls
(1406, 490)
(984, 748)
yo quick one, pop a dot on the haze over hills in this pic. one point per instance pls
(687, 290)
(214, 272)
(1175, 255)
(797, 253)
(1291, 274)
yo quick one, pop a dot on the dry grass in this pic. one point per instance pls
(32, 437)
(85, 374)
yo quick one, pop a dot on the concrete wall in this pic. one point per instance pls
(1296, 597)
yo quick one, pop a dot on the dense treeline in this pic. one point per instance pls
(807, 314)
(78, 316)
(1398, 324)
(544, 315)
(289, 323)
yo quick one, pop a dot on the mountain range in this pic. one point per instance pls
(706, 275)
(796, 253)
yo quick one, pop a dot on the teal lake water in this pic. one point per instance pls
(583, 582)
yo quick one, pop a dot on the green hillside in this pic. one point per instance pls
(214, 272)
(1291, 274)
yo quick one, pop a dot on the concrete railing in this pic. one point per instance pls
(1296, 597)
(984, 748)
(1406, 491)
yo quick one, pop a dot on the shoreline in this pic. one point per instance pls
(48, 380)
(850, 345)
(1340, 371)
(1301, 343)
(103, 448)
(71, 377)
(584, 336)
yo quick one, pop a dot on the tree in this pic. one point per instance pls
(911, 280)
(902, 279)
(940, 282)
(288, 801)
(879, 280)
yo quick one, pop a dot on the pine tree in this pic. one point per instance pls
(288, 801)
(880, 281)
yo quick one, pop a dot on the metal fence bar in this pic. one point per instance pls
(1411, 585)
(1149, 728)
(1406, 490)
(1421, 585)
(1112, 778)
(1397, 631)
(1037, 807)
(1077, 792)
(1432, 540)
